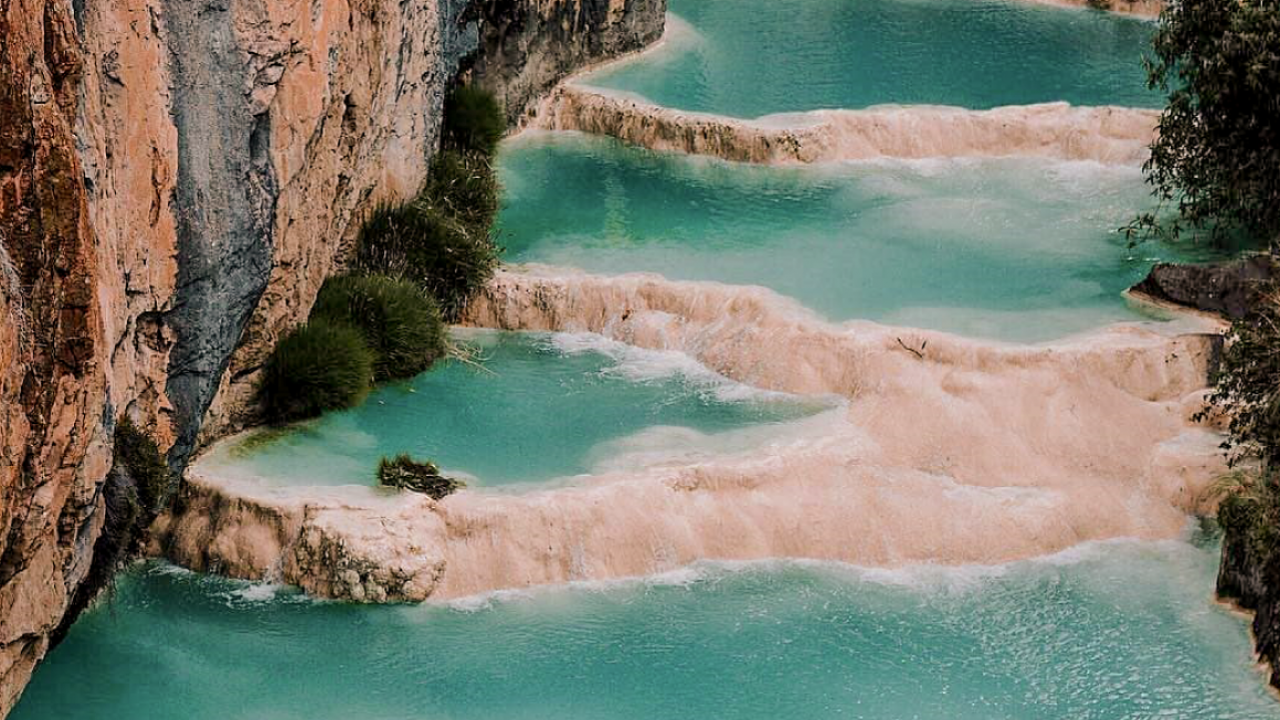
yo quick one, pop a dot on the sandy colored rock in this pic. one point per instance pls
(969, 452)
(1057, 130)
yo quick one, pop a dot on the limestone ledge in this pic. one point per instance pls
(1055, 130)
(943, 450)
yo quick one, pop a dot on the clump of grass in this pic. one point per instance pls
(405, 473)
(463, 186)
(400, 324)
(139, 456)
(319, 366)
(443, 238)
(423, 242)
(417, 265)
(473, 120)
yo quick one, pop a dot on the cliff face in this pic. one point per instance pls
(527, 46)
(1252, 580)
(176, 181)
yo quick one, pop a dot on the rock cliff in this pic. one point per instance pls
(1252, 580)
(176, 181)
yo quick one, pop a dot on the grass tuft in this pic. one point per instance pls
(319, 366)
(405, 473)
(400, 324)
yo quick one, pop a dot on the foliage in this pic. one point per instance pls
(1217, 154)
(400, 324)
(1247, 388)
(141, 459)
(319, 366)
(1250, 509)
(443, 239)
(464, 186)
(473, 120)
(421, 241)
(423, 477)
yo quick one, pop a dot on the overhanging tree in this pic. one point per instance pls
(1218, 153)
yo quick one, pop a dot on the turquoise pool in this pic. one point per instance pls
(1123, 630)
(528, 407)
(1011, 249)
(748, 58)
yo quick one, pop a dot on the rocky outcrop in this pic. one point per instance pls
(1229, 289)
(1057, 130)
(176, 181)
(516, 48)
(527, 47)
(1252, 580)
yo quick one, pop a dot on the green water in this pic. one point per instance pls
(532, 406)
(1014, 249)
(747, 58)
(1124, 630)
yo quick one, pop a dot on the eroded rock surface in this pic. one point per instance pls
(944, 450)
(530, 46)
(1056, 130)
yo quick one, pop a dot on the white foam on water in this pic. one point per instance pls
(680, 446)
(642, 365)
(257, 592)
(484, 601)
(922, 578)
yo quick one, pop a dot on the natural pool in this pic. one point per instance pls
(529, 407)
(1111, 631)
(748, 58)
(1014, 249)
(1010, 249)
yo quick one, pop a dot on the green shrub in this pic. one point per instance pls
(445, 256)
(1250, 510)
(473, 120)
(319, 366)
(1216, 156)
(1246, 386)
(399, 323)
(443, 239)
(140, 457)
(423, 477)
(464, 186)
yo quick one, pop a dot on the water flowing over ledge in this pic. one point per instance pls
(1055, 130)
(948, 451)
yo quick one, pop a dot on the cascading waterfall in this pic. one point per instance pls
(770, 414)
